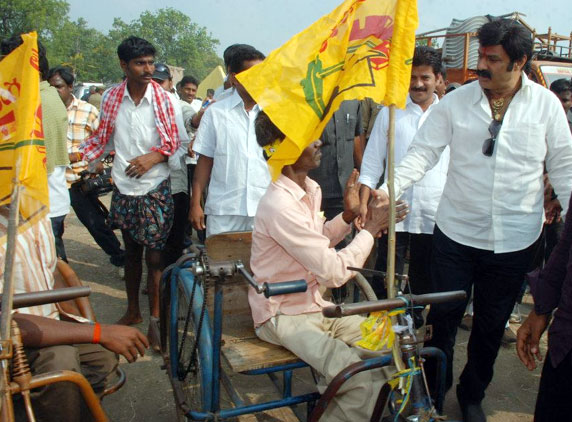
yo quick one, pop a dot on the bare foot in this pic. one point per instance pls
(129, 319)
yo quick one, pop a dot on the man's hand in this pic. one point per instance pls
(527, 338)
(124, 340)
(197, 217)
(351, 197)
(140, 165)
(378, 216)
(190, 151)
(552, 211)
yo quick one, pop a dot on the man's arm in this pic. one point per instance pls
(547, 291)
(38, 331)
(559, 154)
(200, 181)
(373, 161)
(425, 150)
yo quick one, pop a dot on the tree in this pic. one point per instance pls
(87, 51)
(178, 40)
(45, 17)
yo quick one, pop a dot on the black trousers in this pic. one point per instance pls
(555, 391)
(420, 246)
(58, 229)
(176, 241)
(92, 214)
(496, 279)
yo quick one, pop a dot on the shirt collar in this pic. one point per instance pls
(525, 87)
(235, 100)
(148, 93)
(409, 102)
(296, 190)
(74, 103)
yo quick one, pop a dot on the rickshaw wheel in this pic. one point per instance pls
(187, 375)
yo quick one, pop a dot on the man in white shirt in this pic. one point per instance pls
(137, 118)
(231, 157)
(501, 132)
(416, 230)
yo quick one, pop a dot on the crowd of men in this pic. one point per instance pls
(478, 167)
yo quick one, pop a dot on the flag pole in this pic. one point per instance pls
(8, 292)
(390, 273)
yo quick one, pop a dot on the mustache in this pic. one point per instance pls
(419, 89)
(484, 74)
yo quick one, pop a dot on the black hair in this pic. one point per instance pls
(229, 52)
(10, 44)
(514, 38)
(133, 47)
(561, 85)
(243, 53)
(189, 80)
(428, 56)
(65, 73)
(266, 131)
(210, 91)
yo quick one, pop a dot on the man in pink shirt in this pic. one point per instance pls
(292, 241)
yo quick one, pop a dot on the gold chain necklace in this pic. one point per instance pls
(497, 105)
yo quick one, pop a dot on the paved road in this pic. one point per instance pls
(147, 396)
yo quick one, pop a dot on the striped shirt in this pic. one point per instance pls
(82, 123)
(34, 263)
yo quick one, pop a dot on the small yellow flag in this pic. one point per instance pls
(21, 132)
(362, 49)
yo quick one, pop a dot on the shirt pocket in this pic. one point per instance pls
(527, 142)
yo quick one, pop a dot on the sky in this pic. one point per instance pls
(267, 24)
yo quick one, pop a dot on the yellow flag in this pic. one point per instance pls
(21, 132)
(364, 48)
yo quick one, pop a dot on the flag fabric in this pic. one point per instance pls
(21, 133)
(364, 48)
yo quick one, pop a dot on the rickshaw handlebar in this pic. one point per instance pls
(273, 289)
(342, 310)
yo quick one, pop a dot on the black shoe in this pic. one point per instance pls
(472, 411)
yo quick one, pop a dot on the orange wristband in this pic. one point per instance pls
(96, 333)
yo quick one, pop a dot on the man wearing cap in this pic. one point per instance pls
(138, 118)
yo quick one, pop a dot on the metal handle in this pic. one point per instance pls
(339, 311)
(25, 300)
(272, 289)
(285, 288)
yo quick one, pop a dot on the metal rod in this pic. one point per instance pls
(78, 379)
(342, 310)
(25, 300)
(12, 231)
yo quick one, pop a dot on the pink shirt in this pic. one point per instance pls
(291, 241)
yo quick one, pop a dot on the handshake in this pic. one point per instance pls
(370, 213)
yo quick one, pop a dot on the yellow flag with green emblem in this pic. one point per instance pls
(21, 133)
(363, 48)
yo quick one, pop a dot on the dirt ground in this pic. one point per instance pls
(147, 395)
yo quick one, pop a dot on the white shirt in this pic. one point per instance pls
(240, 174)
(58, 192)
(179, 181)
(134, 135)
(423, 197)
(493, 203)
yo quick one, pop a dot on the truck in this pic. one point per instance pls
(551, 59)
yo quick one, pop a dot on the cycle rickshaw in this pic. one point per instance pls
(207, 334)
